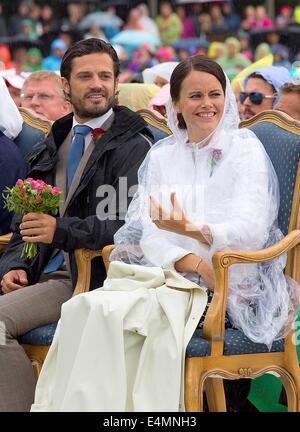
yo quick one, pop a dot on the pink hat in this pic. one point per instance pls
(164, 53)
(161, 97)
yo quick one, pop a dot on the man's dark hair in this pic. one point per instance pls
(85, 47)
(183, 69)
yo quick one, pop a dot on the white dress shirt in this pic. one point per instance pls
(96, 122)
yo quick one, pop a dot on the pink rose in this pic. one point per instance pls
(56, 190)
(19, 183)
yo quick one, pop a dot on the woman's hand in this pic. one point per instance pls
(206, 271)
(191, 263)
(175, 220)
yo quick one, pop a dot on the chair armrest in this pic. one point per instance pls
(214, 329)
(4, 240)
(83, 261)
(84, 258)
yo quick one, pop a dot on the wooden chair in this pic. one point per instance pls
(154, 118)
(221, 353)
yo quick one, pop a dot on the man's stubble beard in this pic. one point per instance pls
(92, 112)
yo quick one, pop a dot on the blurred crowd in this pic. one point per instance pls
(35, 39)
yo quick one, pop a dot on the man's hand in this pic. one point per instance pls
(38, 228)
(13, 280)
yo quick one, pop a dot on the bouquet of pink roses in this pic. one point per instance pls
(32, 196)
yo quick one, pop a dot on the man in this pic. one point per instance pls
(261, 90)
(289, 100)
(32, 298)
(42, 92)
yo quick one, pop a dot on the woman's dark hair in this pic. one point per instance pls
(85, 47)
(183, 69)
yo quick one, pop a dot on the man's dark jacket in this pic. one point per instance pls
(118, 153)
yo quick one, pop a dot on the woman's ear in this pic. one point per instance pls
(175, 106)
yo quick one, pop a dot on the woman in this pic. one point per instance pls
(209, 187)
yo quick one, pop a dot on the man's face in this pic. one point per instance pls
(289, 103)
(44, 98)
(261, 86)
(92, 86)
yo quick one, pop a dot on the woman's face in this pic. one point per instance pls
(201, 103)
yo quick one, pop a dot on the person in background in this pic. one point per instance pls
(95, 31)
(34, 60)
(15, 21)
(245, 48)
(188, 30)
(262, 50)
(262, 89)
(5, 58)
(165, 54)
(159, 74)
(231, 18)
(134, 21)
(14, 83)
(281, 56)
(218, 23)
(12, 165)
(285, 17)
(216, 50)
(289, 100)
(160, 99)
(148, 23)
(43, 93)
(53, 61)
(168, 23)
(262, 21)
(233, 61)
(249, 18)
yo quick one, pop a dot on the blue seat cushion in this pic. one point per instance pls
(235, 342)
(39, 336)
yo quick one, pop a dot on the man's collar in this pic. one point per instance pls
(96, 122)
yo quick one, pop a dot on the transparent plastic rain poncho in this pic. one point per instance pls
(226, 182)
